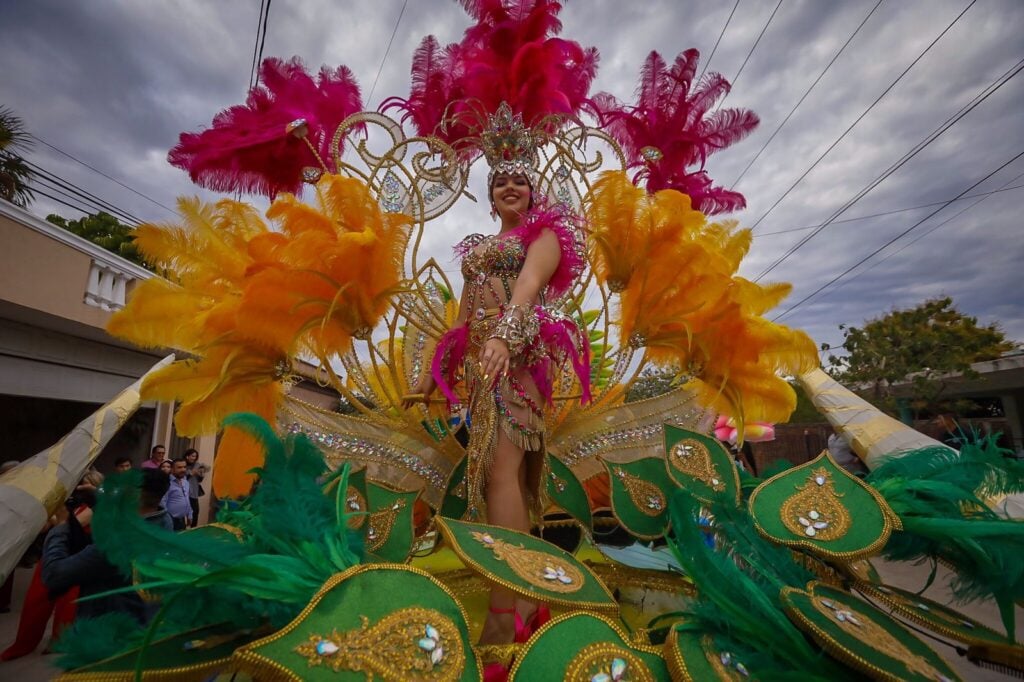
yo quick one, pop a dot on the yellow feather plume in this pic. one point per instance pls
(681, 299)
(243, 299)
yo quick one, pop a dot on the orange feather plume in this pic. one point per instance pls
(681, 299)
(243, 299)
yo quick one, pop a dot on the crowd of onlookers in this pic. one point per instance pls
(68, 566)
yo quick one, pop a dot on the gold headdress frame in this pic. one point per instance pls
(423, 177)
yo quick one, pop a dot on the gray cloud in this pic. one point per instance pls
(114, 82)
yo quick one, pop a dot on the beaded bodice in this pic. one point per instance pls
(490, 267)
(492, 256)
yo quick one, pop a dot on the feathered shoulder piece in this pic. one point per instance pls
(668, 134)
(568, 228)
(509, 55)
(278, 138)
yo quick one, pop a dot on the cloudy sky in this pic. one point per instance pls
(113, 83)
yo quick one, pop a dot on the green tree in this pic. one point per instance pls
(919, 346)
(14, 172)
(103, 230)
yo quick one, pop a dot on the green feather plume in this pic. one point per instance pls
(938, 494)
(738, 585)
(295, 537)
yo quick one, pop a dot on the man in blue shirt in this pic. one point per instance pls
(176, 500)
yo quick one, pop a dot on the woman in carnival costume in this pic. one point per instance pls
(510, 346)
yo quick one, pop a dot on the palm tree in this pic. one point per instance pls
(14, 172)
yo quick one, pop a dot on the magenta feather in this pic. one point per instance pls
(509, 55)
(248, 148)
(671, 116)
(446, 364)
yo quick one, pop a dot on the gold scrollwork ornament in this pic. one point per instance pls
(537, 568)
(691, 457)
(872, 634)
(410, 644)
(815, 511)
(382, 522)
(607, 662)
(646, 496)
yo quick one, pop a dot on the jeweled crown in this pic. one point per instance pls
(509, 145)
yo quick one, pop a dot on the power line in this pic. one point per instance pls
(747, 59)
(263, 40)
(387, 51)
(255, 46)
(892, 212)
(707, 62)
(983, 196)
(863, 114)
(96, 170)
(86, 211)
(808, 92)
(96, 207)
(54, 179)
(985, 93)
(902, 234)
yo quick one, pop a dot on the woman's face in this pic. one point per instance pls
(191, 457)
(510, 194)
(165, 466)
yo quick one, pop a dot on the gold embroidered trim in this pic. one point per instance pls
(890, 520)
(382, 522)
(691, 457)
(815, 511)
(268, 670)
(610, 606)
(538, 637)
(545, 571)
(935, 617)
(722, 662)
(613, 661)
(411, 643)
(355, 503)
(867, 631)
(644, 495)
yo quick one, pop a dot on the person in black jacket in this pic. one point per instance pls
(68, 560)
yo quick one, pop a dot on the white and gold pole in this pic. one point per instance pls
(31, 492)
(871, 433)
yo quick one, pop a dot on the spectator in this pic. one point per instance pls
(166, 466)
(156, 457)
(176, 499)
(39, 603)
(122, 464)
(196, 474)
(845, 456)
(64, 568)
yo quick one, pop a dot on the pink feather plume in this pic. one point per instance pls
(671, 119)
(248, 148)
(509, 55)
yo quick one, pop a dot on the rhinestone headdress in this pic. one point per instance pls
(509, 145)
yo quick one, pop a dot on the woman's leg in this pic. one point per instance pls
(194, 502)
(506, 507)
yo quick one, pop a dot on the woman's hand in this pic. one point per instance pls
(421, 391)
(494, 360)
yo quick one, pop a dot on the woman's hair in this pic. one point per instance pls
(190, 451)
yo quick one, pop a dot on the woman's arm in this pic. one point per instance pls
(542, 258)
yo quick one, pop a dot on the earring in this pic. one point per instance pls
(494, 214)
